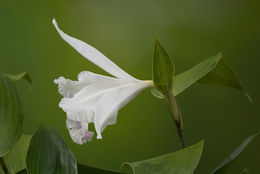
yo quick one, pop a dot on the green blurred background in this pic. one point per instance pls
(191, 31)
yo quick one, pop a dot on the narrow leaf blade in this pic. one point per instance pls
(223, 167)
(48, 153)
(11, 117)
(212, 71)
(189, 77)
(163, 68)
(180, 162)
(15, 160)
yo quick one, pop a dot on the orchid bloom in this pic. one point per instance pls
(95, 98)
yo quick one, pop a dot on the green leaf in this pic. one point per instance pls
(245, 171)
(15, 160)
(83, 169)
(180, 162)
(212, 71)
(11, 117)
(223, 167)
(24, 75)
(48, 153)
(163, 68)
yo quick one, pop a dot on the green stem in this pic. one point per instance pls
(176, 115)
(4, 167)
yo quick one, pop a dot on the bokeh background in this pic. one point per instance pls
(191, 31)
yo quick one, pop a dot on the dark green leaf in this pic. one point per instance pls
(163, 68)
(180, 162)
(83, 169)
(15, 160)
(212, 71)
(223, 167)
(23, 75)
(48, 153)
(11, 117)
(245, 171)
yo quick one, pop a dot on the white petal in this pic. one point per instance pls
(79, 131)
(108, 106)
(93, 55)
(81, 107)
(92, 77)
(68, 88)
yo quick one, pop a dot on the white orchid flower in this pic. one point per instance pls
(95, 98)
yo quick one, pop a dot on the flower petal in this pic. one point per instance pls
(109, 105)
(81, 107)
(90, 77)
(79, 131)
(68, 88)
(93, 55)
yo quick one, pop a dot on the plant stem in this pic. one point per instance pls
(181, 135)
(176, 115)
(4, 167)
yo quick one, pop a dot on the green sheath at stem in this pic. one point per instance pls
(176, 115)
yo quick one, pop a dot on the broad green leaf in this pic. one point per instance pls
(163, 68)
(223, 167)
(245, 171)
(15, 160)
(48, 153)
(180, 162)
(24, 75)
(83, 169)
(212, 71)
(11, 117)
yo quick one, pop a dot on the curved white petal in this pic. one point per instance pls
(91, 77)
(108, 106)
(79, 131)
(93, 55)
(81, 107)
(67, 88)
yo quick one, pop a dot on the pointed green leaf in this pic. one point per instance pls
(83, 169)
(212, 71)
(24, 75)
(11, 117)
(223, 167)
(15, 160)
(163, 68)
(48, 153)
(245, 171)
(180, 162)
